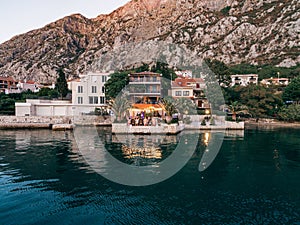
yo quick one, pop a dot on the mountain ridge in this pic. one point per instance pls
(233, 31)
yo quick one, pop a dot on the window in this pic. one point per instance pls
(102, 100)
(93, 100)
(154, 89)
(80, 89)
(104, 79)
(103, 89)
(154, 79)
(177, 93)
(94, 89)
(80, 100)
(186, 93)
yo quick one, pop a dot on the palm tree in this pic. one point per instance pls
(120, 107)
(185, 106)
(236, 108)
(168, 105)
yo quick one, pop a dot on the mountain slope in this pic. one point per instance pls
(234, 31)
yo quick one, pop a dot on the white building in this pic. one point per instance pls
(88, 93)
(275, 81)
(184, 73)
(28, 85)
(89, 90)
(244, 79)
(37, 107)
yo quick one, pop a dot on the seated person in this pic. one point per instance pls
(132, 122)
(136, 121)
(141, 122)
(145, 121)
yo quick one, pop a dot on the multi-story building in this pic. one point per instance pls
(145, 87)
(183, 88)
(192, 88)
(244, 79)
(88, 93)
(89, 89)
(7, 84)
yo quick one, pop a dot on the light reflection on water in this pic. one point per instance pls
(50, 182)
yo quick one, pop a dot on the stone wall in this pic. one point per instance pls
(48, 121)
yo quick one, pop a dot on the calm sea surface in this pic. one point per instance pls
(254, 179)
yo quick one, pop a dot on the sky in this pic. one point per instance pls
(21, 16)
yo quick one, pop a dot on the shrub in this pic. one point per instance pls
(225, 11)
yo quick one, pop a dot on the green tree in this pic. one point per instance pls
(290, 113)
(115, 84)
(261, 101)
(61, 83)
(169, 105)
(185, 106)
(142, 68)
(292, 91)
(243, 68)
(48, 93)
(237, 108)
(220, 69)
(163, 69)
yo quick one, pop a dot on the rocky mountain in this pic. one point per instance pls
(233, 31)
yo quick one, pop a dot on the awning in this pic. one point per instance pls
(154, 107)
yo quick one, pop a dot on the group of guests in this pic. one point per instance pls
(139, 121)
(142, 120)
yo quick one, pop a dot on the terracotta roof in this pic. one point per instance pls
(74, 80)
(8, 79)
(183, 82)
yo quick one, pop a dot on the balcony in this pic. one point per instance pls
(146, 93)
(144, 80)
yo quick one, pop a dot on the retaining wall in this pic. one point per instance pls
(48, 121)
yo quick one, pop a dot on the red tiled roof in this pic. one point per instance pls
(74, 80)
(8, 79)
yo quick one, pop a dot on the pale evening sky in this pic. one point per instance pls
(20, 16)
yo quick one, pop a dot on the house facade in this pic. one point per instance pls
(88, 93)
(145, 87)
(192, 88)
(28, 85)
(244, 79)
(8, 85)
(89, 89)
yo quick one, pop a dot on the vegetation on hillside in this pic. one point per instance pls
(259, 101)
